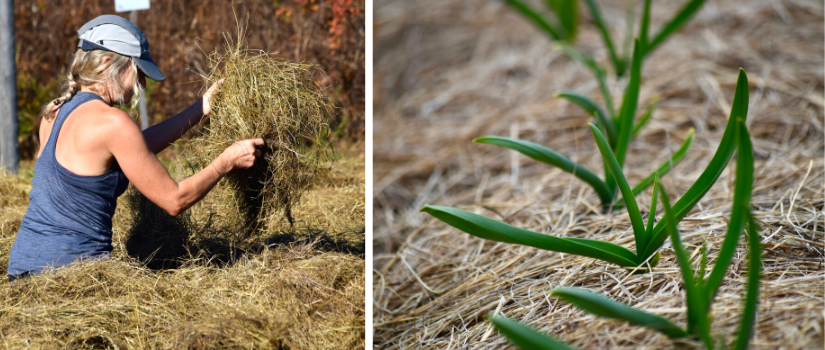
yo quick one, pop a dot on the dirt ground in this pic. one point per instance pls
(184, 283)
(449, 71)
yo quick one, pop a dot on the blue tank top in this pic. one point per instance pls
(69, 216)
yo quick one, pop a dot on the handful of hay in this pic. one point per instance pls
(274, 99)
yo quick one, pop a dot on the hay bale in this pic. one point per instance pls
(279, 101)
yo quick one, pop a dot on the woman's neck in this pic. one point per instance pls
(104, 96)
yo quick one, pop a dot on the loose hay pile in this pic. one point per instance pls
(14, 198)
(287, 297)
(154, 237)
(271, 292)
(279, 101)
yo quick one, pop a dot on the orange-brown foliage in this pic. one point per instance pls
(329, 33)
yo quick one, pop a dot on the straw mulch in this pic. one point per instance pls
(287, 297)
(14, 198)
(184, 282)
(449, 71)
(274, 99)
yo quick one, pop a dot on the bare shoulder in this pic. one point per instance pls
(112, 121)
(112, 126)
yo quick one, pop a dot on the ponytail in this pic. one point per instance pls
(49, 111)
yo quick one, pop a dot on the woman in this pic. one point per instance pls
(91, 150)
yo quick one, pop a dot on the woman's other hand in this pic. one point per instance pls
(240, 155)
(209, 95)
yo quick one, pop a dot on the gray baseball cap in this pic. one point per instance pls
(116, 34)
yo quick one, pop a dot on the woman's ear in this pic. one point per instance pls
(106, 59)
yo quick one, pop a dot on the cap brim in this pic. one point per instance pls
(146, 64)
(150, 69)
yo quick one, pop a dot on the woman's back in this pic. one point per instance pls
(70, 215)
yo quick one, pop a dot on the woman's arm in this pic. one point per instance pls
(145, 171)
(161, 135)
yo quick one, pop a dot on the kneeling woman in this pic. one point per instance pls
(90, 151)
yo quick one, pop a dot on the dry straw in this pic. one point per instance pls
(159, 240)
(286, 297)
(274, 99)
(275, 293)
(433, 285)
(14, 198)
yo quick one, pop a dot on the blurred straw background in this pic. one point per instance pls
(449, 71)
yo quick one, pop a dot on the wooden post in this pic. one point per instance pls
(9, 156)
(144, 115)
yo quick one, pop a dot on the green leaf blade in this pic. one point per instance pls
(592, 108)
(602, 306)
(643, 28)
(567, 13)
(630, 20)
(697, 304)
(651, 216)
(535, 17)
(631, 99)
(548, 156)
(727, 145)
(663, 169)
(703, 263)
(668, 165)
(618, 63)
(651, 107)
(486, 228)
(630, 201)
(576, 55)
(740, 210)
(524, 336)
(677, 21)
(752, 296)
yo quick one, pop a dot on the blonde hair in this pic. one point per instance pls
(90, 68)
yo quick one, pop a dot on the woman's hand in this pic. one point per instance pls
(209, 95)
(240, 155)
